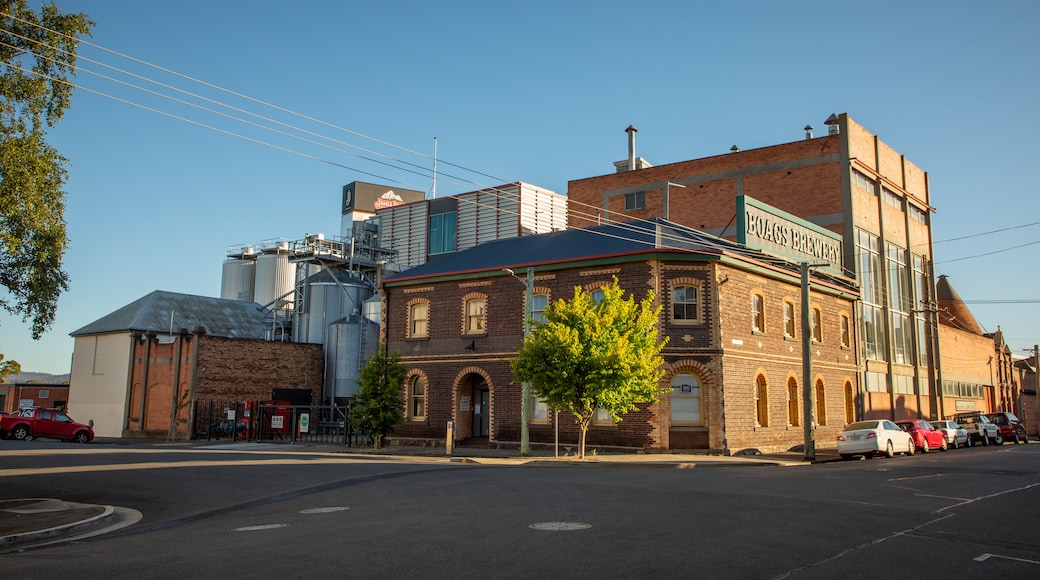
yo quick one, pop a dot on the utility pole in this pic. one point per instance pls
(807, 388)
(525, 389)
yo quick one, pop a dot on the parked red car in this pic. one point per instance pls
(1011, 427)
(37, 422)
(924, 435)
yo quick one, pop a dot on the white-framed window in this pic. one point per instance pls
(817, 325)
(597, 295)
(758, 313)
(686, 399)
(417, 399)
(789, 320)
(686, 304)
(846, 330)
(418, 320)
(539, 410)
(634, 201)
(538, 304)
(475, 311)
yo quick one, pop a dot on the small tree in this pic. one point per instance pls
(589, 355)
(8, 368)
(380, 404)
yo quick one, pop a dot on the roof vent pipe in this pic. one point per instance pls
(832, 124)
(631, 147)
(808, 132)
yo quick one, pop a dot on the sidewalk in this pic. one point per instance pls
(35, 521)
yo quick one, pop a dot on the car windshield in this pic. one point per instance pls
(861, 425)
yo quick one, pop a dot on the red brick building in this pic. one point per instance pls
(849, 182)
(733, 363)
(140, 371)
(17, 395)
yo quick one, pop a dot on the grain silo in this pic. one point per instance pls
(275, 276)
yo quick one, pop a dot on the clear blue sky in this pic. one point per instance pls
(537, 91)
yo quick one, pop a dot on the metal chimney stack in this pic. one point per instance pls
(808, 132)
(631, 147)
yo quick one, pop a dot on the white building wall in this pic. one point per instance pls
(97, 387)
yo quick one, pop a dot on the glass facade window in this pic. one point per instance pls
(899, 304)
(869, 273)
(442, 233)
(922, 298)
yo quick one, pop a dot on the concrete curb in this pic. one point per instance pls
(61, 531)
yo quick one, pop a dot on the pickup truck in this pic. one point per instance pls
(31, 422)
(979, 428)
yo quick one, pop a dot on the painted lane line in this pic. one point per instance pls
(323, 510)
(261, 527)
(987, 556)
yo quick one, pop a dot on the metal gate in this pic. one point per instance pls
(256, 421)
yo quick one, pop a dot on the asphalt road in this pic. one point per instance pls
(232, 514)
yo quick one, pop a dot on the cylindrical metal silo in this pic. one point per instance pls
(349, 344)
(275, 278)
(237, 280)
(331, 295)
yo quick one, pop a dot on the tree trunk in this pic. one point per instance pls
(583, 429)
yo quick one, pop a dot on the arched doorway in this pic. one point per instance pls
(473, 419)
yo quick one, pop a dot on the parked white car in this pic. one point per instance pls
(955, 434)
(875, 437)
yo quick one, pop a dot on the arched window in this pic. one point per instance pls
(821, 403)
(816, 325)
(417, 399)
(761, 402)
(850, 403)
(789, 323)
(792, 402)
(758, 313)
(686, 399)
(846, 340)
(597, 296)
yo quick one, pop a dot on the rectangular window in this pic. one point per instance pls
(418, 319)
(539, 410)
(893, 199)
(875, 382)
(846, 338)
(417, 405)
(817, 325)
(634, 201)
(602, 417)
(864, 182)
(475, 316)
(685, 306)
(899, 304)
(758, 314)
(442, 233)
(789, 323)
(903, 385)
(792, 404)
(870, 275)
(538, 304)
(917, 214)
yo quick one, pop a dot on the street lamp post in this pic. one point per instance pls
(525, 388)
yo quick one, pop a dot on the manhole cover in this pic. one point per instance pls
(560, 526)
(261, 527)
(324, 510)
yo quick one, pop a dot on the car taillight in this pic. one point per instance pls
(841, 437)
(872, 435)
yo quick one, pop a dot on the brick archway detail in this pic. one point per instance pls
(462, 422)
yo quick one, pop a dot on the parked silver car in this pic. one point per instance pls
(955, 434)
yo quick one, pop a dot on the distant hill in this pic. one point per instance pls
(38, 378)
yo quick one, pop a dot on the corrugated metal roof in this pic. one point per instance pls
(219, 316)
(571, 245)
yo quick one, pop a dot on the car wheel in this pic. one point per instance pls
(20, 433)
(998, 440)
(1017, 440)
(911, 448)
(943, 446)
(890, 451)
(81, 437)
(925, 448)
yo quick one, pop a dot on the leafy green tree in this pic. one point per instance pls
(380, 404)
(8, 368)
(37, 55)
(589, 355)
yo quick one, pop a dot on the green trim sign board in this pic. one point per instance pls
(764, 227)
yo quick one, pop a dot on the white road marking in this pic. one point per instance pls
(261, 527)
(987, 556)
